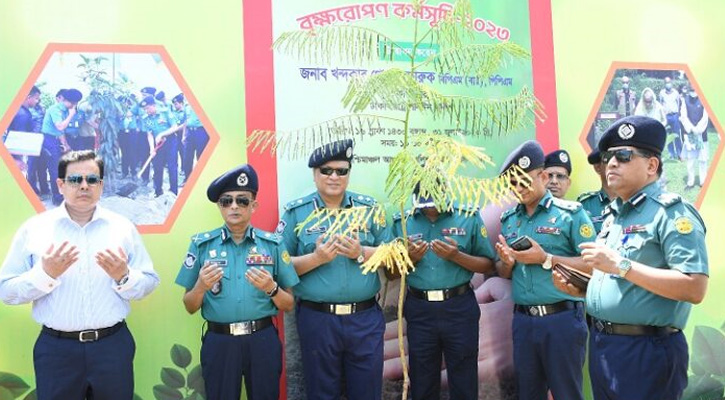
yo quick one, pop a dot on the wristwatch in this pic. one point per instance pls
(547, 262)
(123, 280)
(274, 291)
(361, 258)
(624, 266)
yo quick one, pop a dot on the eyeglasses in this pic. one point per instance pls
(622, 155)
(558, 176)
(76, 180)
(327, 171)
(226, 201)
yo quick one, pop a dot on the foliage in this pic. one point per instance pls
(181, 382)
(428, 161)
(12, 387)
(707, 364)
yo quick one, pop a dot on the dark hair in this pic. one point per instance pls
(34, 90)
(650, 154)
(78, 156)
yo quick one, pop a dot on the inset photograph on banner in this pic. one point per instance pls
(672, 97)
(128, 108)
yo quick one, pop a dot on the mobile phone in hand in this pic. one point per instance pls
(522, 243)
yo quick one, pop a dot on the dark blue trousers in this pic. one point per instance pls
(225, 359)
(446, 329)
(637, 367)
(166, 157)
(337, 347)
(128, 153)
(49, 157)
(549, 354)
(196, 141)
(70, 370)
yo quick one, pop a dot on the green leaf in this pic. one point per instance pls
(708, 351)
(703, 388)
(172, 378)
(34, 396)
(180, 355)
(195, 396)
(163, 392)
(6, 394)
(195, 379)
(13, 383)
(137, 397)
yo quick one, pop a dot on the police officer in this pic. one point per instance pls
(595, 202)
(441, 310)
(195, 137)
(55, 122)
(240, 277)
(160, 128)
(650, 265)
(339, 321)
(549, 328)
(558, 165)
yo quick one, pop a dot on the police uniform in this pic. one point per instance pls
(558, 158)
(128, 137)
(166, 154)
(196, 139)
(441, 310)
(51, 148)
(595, 202)
(240, 339)
(339, 321)
(37, 174)
(73, 133)
(637, 348)
(549, 327)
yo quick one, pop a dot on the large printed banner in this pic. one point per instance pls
(219, 57)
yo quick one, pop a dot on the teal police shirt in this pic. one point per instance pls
(559, 226)
(192, 120)
(468, 230)
(659, 230)
(158, 123)
(595, 204)
(341, 280)
(56, 113)
(235, 299)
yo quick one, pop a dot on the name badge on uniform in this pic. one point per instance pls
(218, 261)
(634, 229)
(510, 236)
(416, 237)
(259, 259)
(316, 229)
(453, 231)
(548, 230)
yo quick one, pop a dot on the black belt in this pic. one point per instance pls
(339, 308)
(90, 335)
(547, 309)
(631, 330)
(240, 328)
(441, 294)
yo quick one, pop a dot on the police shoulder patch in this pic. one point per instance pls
(586, 195)
(683, 225)
(484, 232)
(280, 227)
(297, 203)
(286, 257)
(466, 208)
(362, 199)
(189, 260)
(567, 205)
(668, 199)
(586, 231)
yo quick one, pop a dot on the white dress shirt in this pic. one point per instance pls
(84, 296)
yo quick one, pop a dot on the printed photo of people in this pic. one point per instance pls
(125, 106)
(669, 97)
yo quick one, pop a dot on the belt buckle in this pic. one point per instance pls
(434, 295)
(599, 325)
(537, 311)
(343, 309)
(240, 328)
(83, 336)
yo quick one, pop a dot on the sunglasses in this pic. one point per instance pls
(622, 155)
(226, 201)
(558, 176)
(327, 171)
(77, 179)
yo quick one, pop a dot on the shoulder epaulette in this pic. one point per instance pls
(567, 205)
(508, 213)
(586, 195)
(667, 199)
(264, 235)
(362, 200)
(466, 208)
(398, 216)
(296, 203)
(206, 236)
